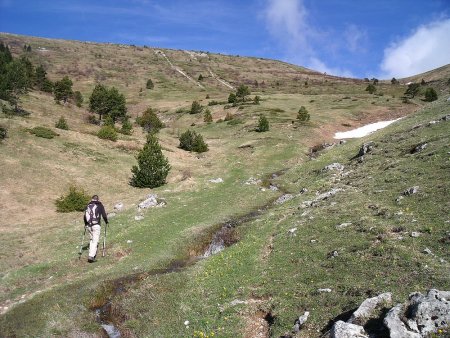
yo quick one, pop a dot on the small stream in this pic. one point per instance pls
(223, 238)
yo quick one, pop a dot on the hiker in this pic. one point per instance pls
(92, 218)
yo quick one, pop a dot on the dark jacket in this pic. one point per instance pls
(101, 211)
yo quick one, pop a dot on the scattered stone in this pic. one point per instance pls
(368, 308)
(150, 201)
(343, 225)
(292, 231)
(216, 180)
(313, 241)
(347, 330)
(415, 234)
(300, 321)
(398, 200)
(118, 206)
(411, 191)
(138, 218)
(324, 290)
(273, 187)
(284, 198)
(186, 322)
(365, 148)
(129, 241)
(427, 251)
(303, 190)
(446, 117)
(252, 181)
(333, 254)
(419, 148)
(334, 166)
(237, 302)
(111, 214)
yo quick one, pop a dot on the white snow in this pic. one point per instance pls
(363, 131)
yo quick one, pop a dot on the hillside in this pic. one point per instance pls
(152, 279)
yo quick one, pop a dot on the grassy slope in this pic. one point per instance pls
(39, 170)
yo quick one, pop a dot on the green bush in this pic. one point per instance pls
(263, 124)
(153, 167)
(107, 133)
(371, 89)
(234, 122)
(3, 132)
(232, 98)
(257, 99)
(207, 117)
(149, 84)
(149, 121)
(75, 200)
(303, 114)
(43, 132)
(127, 127)
(430, 95)
(196, 108)
(78, 98)
(191, 141)
(62, 124)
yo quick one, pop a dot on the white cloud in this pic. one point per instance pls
(426, 48)
(355, 38)
(287, 21)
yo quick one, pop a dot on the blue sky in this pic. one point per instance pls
(377, 38)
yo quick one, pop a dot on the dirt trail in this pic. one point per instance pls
(178, 69)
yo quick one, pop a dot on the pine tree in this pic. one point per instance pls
(149, 84)
(63, 89)
(303, 114)
(242, 92)
(196, 108)
(430, 95)
(207, 117)
(153, 167)
(191, 141)
(149, 121)
(78, 98)
(263, 124)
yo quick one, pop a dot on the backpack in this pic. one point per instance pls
(92, 214)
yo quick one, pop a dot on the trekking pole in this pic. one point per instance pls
(104, 242)
(82, 242)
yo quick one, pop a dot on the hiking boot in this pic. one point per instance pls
(91, 259)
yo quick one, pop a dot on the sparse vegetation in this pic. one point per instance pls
(3, 132)
(43, 132)
(78, 98)
(75, 200)
(149, 84)
(303, 114)
(207, 117)
(371, 88)
(107, 132)
(62, 124)
(430, 95)
(196, 108)
(152, 168)
(263, 124)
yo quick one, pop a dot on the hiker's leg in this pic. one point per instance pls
(94, 232)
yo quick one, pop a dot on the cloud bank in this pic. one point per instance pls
(426, 48)
(287, 21)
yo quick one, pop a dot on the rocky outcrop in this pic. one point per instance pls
(152, 201)
(347, 330)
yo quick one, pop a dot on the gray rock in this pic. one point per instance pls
(411, 191)
(333, 254)
(303, 190)
(419, 148)
(300, 321)
(138, 218)
(292, 231)
(328, 290)
(395, 325)
(216, 180)
(427, 251)
(334, 166)
(368, 308)
(150, 201)
(118, 206)
(343, 225)
(284, 198)
(347, 330)
(415, 234)
(446, 117)
(365, 148)
(273, 187)
(252, 181)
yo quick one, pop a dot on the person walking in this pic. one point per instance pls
(92, 219)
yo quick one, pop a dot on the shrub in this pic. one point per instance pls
(153, 167)
(191, 141)
(303, 114)
(108, 121)
(256, 99)
(75, 200)
(196, 108)
(127, 127)
(149, 84)
(62, 124)
(412, 90)
(149, 121)
(371, 89)
(3, 132)
(213, 103)
(234, 122)
(207, 117)
(107, 133)
(263, 124)
(43, 132)
(78, 98)
(232, 98)
(430, 95)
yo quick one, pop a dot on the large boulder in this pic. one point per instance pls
(347, 330)
(368, 308)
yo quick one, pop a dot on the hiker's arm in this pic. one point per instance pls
(84, 219)
(105, 217)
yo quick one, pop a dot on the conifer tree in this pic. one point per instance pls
(263, 124)
(207, 117)
(63, 89)
(303, 114)
(153, 167)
